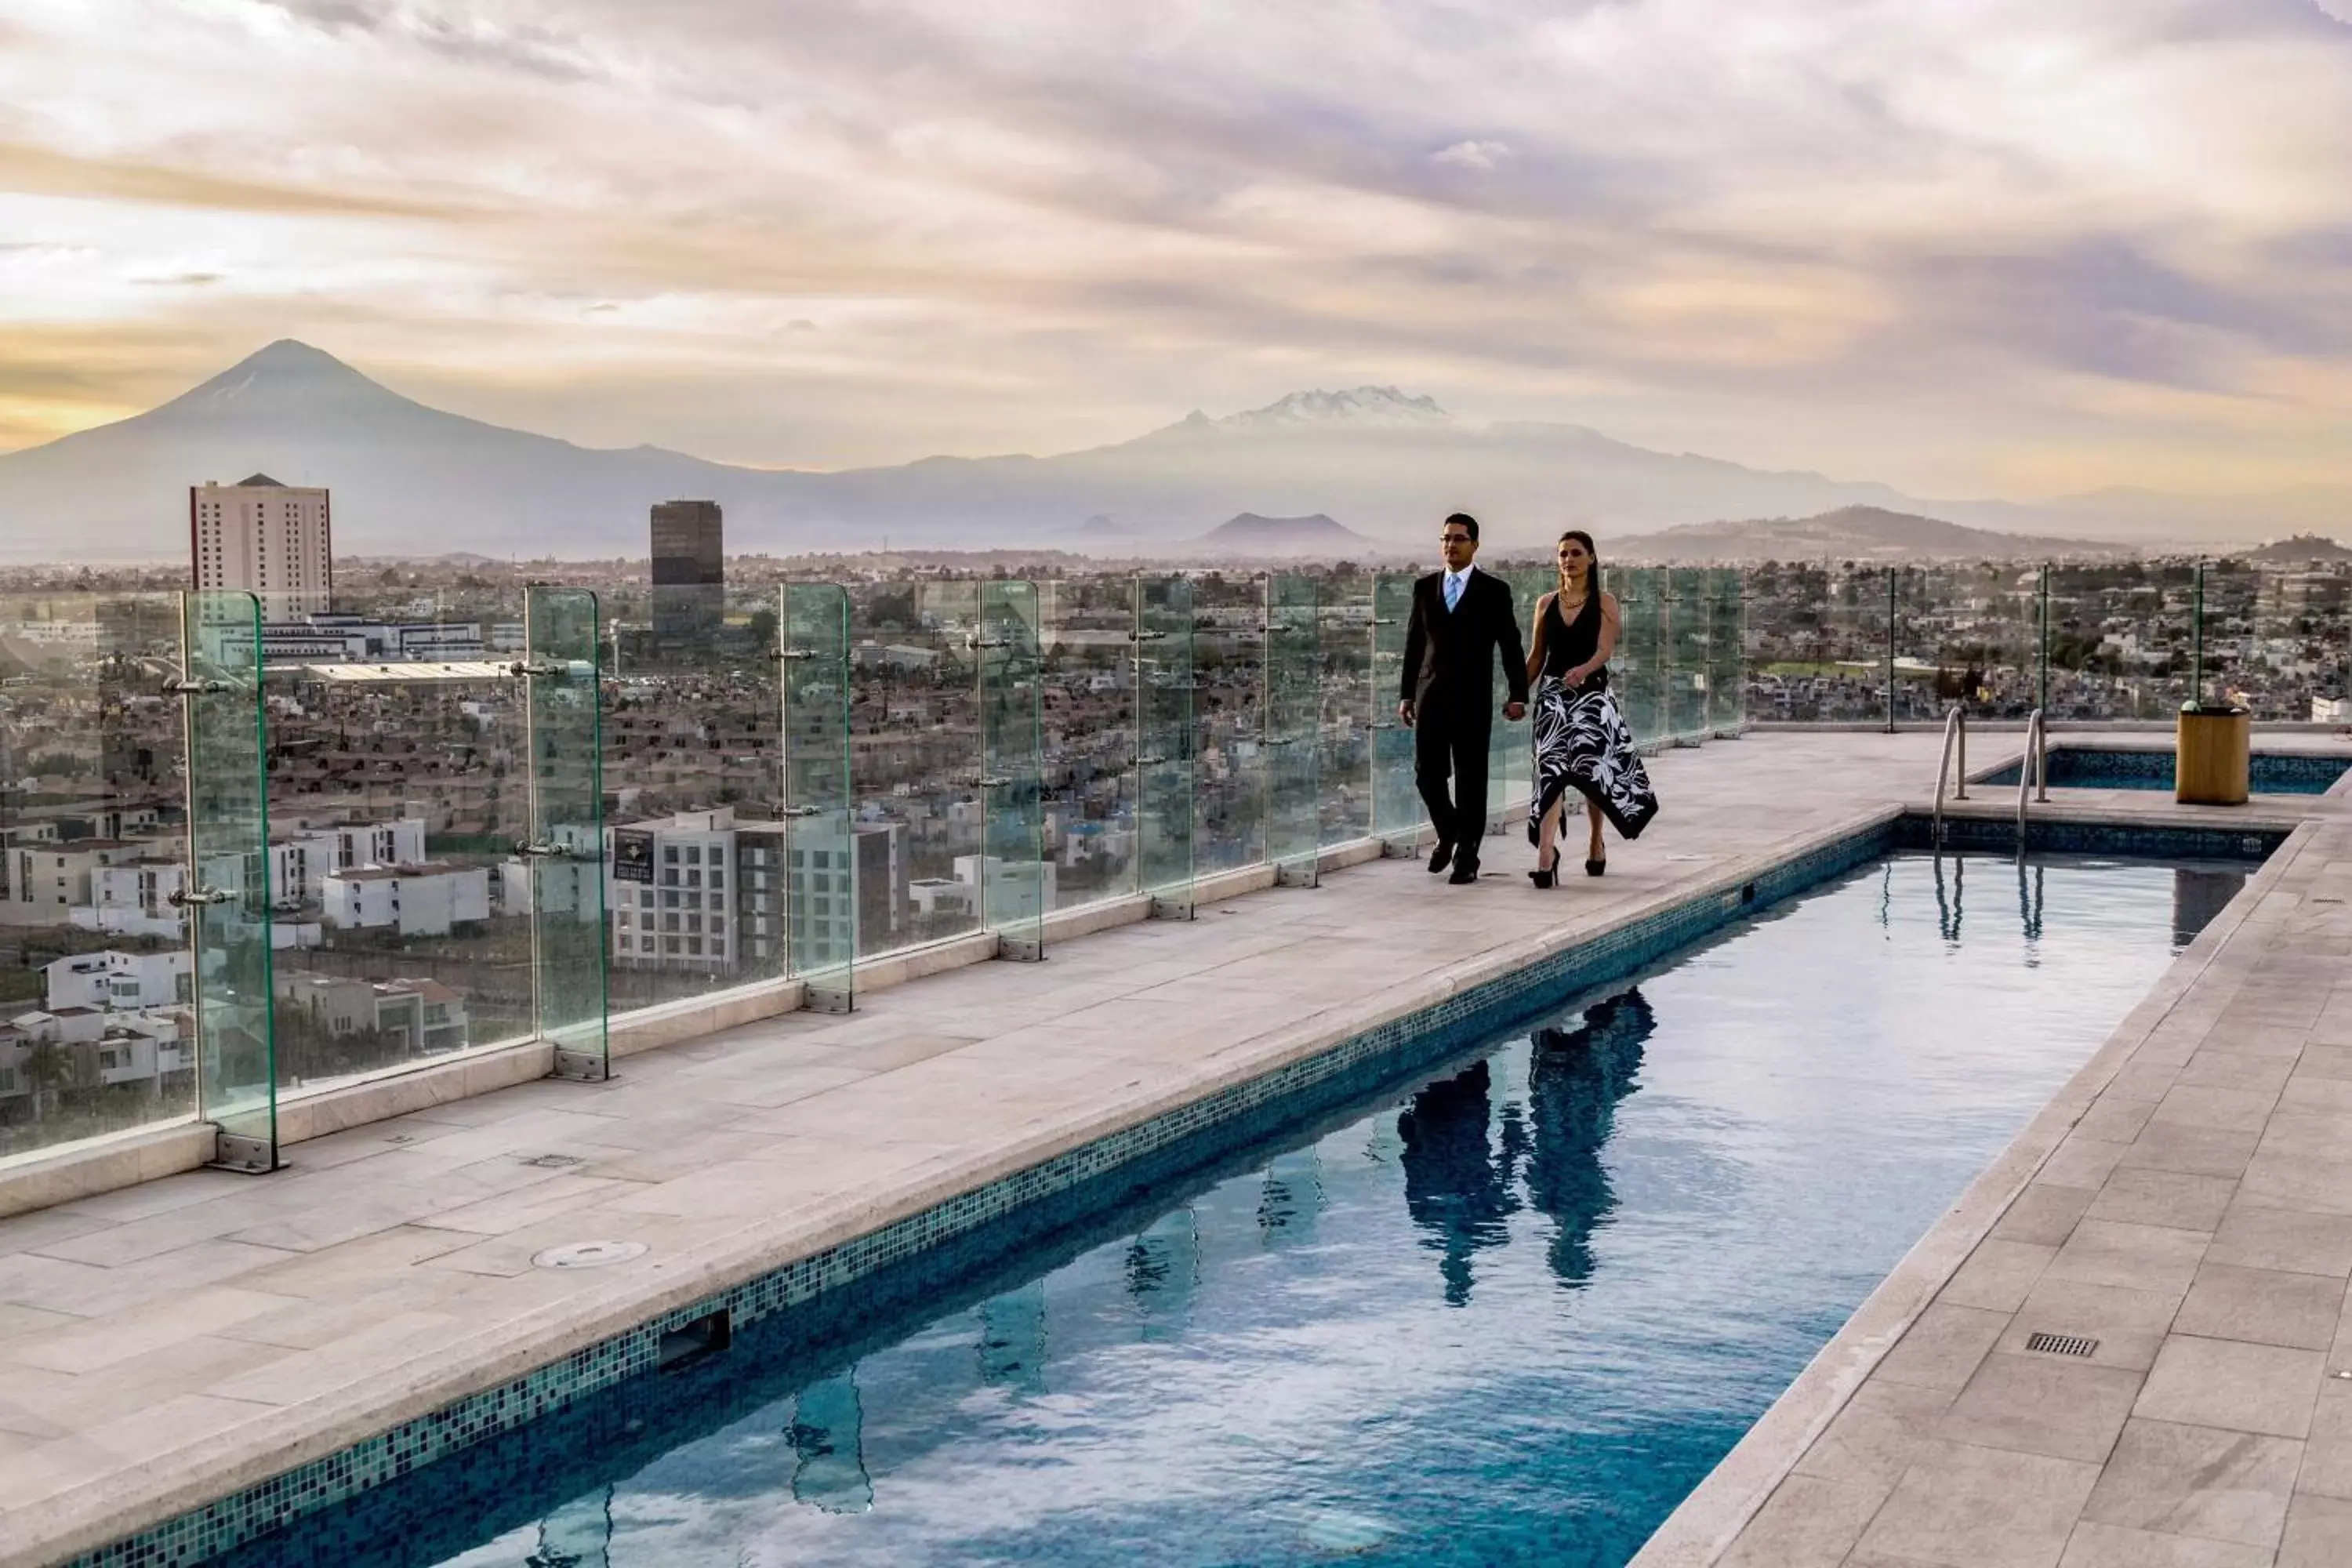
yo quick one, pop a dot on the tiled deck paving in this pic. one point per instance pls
(167, 1343)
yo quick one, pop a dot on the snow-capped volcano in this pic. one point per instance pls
(1354, 408)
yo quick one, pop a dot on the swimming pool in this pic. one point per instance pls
(1511, 1314)
(2270, 773)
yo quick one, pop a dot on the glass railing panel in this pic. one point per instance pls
(1228, 687)
(1727, 650)
(1510, 762)
(1637, 671)
(565, 851)
(1398, 815)
(1087, 630)
(1690, 624)
(1015, 876)
(1293, 721)
(1165, 731)
(231, 903)
(96, 1031)
(2275, 640)
(915, 759)
(2121, 638)
(1819, 637)
(1971, 637)
(821, 866)
(400, 787)
(692, 749)
(1352, 704)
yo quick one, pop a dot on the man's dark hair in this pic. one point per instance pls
(1465, 519)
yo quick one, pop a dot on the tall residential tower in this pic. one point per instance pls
(272, 540)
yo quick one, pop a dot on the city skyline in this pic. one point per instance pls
(1979, 252)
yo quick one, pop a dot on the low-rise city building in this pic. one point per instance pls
(429, 898)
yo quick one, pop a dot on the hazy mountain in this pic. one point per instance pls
(2301, 547)
(410, 479)
(1849, 534)
(1318, 536)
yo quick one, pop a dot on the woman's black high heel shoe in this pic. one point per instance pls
(1594, 867)
(1545, 878)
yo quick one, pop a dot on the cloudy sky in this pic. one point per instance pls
(1967, 246)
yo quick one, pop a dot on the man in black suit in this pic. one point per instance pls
(1460, 619)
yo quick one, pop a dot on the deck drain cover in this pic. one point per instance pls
(2060, 1344)
(588, 1254)
(552, 1162)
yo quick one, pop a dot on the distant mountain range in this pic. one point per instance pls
(1849, 534)
(409, 480)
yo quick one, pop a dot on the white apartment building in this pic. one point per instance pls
(120, 982)
(47, 882)
(98, 1048)
(135, 898)
(672, 889)
(426, 898)
(427, 1016)
(302, 855)
(272, 540)
(1007, 890)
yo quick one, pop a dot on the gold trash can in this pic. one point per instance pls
(2212, 763)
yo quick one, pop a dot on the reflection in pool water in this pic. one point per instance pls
(1510, 1317)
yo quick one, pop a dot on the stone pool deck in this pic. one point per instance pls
(169, 1343)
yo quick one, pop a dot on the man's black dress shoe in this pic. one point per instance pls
(1465, 868)
(1441, 857)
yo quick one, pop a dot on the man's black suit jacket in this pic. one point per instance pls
(1449, 655)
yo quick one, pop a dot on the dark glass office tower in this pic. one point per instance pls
(689, 560)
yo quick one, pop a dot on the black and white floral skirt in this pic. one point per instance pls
(1581, 743)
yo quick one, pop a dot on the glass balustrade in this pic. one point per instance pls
(564, 854)
(1291, 740)
(1727, 652)
(819, 867)
(1351, 704)
(228, 889)
(95, 966)
(1637, 669)
(1398, 815)
(403, 908)
(1229, 764)
(692, 764)
(915, 759)
(1088, 717)
(1165, 733)
(1690, 624)
(1014, 875)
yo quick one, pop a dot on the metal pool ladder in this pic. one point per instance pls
(1955, 731)
(2032, 772)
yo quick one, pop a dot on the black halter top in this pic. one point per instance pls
(1568, 644)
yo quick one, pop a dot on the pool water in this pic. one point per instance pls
(2268, 773)
(1510, 1317)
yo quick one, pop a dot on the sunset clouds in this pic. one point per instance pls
(1964, 246)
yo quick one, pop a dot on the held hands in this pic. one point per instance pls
(1515, 711)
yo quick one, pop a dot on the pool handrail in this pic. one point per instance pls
(2032, 772)
(1955, 730)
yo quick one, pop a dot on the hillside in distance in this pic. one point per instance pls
(1314, 538)
(1849, 534)
(415, 480)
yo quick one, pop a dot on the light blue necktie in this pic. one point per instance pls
(1453, 590)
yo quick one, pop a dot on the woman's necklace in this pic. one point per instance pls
(1568, 608)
